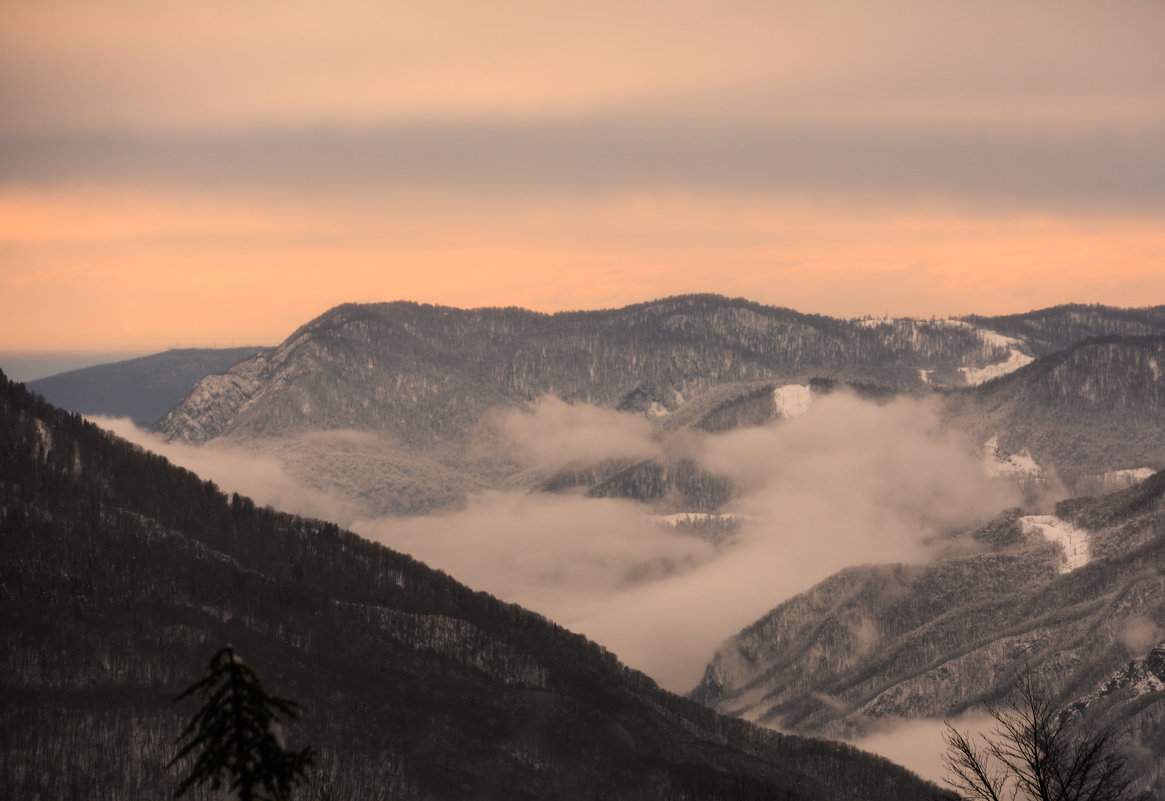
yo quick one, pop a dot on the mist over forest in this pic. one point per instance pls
(849, 482)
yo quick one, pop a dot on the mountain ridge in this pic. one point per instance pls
(875, 644)
(425, 380)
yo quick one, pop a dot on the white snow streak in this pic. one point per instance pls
(1126, 478)
(979, 375)
(699, 518)
(792, 400)
(657, 410)
(1074, 541)
(1015, 465)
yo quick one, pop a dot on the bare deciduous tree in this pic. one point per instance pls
(1035, 753)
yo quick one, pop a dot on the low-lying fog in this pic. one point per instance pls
(848, 482)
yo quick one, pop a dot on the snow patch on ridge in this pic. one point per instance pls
(699, 518)
(1126, 478)
(1074, 541)
(978, 375)
(657, 410)
(997, 339)
(792, 400)
(1014, 465)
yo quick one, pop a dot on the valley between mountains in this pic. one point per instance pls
(827, 528)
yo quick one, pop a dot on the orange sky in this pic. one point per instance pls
(212, 173)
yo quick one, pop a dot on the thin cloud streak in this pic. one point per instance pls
(261, 478)
(1018, 173)
(215, 66)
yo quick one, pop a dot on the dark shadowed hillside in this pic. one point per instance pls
(120, 575)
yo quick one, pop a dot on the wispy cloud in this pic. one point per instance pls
(1019, 171)
(555, 434)
(235, 469)
(849, 482)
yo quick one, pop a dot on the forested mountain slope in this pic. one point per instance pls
(425, 373)
(422, 384)
(1078, 596)
(1057, 328)
(120, 575)
(1097, 406)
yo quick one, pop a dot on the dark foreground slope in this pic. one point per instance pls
(141, 389)
(120, 575)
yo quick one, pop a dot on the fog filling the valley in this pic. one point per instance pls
(849, 482)
(234, 469)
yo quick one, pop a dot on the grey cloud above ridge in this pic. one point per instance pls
(1118, 171)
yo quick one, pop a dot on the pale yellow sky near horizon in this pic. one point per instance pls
(217, 173)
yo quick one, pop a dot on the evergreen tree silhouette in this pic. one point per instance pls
(238, 736)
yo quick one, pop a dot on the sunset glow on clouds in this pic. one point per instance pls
(219, 173)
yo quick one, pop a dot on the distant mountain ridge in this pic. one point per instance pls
(393, 360)
(142, 389)
(422, 379)
(1046, 331)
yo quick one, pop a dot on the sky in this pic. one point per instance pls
(198, 174)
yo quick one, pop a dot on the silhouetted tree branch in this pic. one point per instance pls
(1033, 753)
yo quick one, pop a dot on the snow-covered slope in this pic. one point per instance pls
(422, 379)
(1097, 408)
(1072, 595)
(1073, 541)
(425, 373)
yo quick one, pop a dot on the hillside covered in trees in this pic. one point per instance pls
(120, 575)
